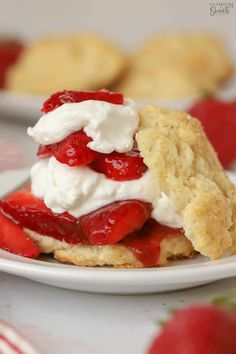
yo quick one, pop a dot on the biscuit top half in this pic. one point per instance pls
(186, 168)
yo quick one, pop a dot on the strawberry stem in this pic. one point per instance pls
(228, 300)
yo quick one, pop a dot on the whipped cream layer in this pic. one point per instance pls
(111, 126)
(80, 190)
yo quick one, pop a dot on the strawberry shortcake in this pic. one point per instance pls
(114, 187)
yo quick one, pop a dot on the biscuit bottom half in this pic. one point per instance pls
(117, 255)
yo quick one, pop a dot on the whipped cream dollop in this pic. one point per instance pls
(111, 126)
(80, 190)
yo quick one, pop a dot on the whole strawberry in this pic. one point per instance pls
(219, 121)
(205, 329)
(10, 50)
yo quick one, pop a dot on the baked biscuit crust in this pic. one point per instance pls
(117, 255)
(176, 65)
(77, 62)
(186, 168)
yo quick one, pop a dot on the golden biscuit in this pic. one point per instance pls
(76, 62)
(119, 256)
(186, 168)
(176, 65)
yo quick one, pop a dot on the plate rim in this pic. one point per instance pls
(209, 270)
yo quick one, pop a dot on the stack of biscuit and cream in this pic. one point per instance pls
(120, 188)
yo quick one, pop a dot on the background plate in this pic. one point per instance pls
(26, 108)
(20, 107)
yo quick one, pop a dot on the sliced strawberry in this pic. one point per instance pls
(120, 166)
(14, 239)
(113, 222)
(72, 151)
(66, 96)
(32, 213)
(106, 225)
(45, 150)
(219, 121)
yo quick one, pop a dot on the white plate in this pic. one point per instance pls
(178, 275)
(20, 107)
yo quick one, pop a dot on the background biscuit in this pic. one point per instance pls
(174, 65)
(76, 62)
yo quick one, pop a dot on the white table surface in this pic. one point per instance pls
(60, 321)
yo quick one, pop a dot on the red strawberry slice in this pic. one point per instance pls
(113, 222)
(198, 330)
(32, 213)
(66, 96)
(45, 150)
(14, 239)
(73, 150)
(219, 121)
(106, 225)
(120, 166)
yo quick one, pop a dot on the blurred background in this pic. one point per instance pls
(127, 25)
(128, 22)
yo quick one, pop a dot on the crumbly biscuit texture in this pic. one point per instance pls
(119, 256)
(176, 65)
(76, 62)
(187, 170)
